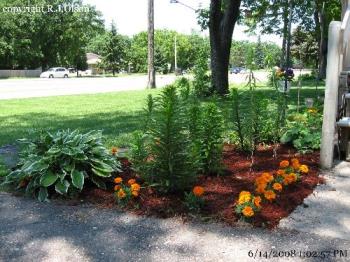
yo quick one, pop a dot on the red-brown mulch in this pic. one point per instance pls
(222, 191)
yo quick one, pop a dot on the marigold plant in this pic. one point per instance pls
(194, 200)
(247, 205)
(125, 192)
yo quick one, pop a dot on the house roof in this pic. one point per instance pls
(93, 59)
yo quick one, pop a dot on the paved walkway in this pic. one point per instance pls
(327, 211)
(32, 231)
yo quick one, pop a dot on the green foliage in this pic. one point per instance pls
(304, 131)
(201, 81)
(114, 51)
(169, 164)
(62, 162)
(211, 128)
(3, 170)
(193, 203)
(30, 40)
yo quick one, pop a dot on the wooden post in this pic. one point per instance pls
(331, 96)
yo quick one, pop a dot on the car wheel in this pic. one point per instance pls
(50, 76)
(65, 76)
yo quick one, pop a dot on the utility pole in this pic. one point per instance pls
(151, 69)
(175, 54)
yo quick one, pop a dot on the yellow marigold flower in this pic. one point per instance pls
(277, 187)
(117, 187)
(284, 164)
(304, 169)
(135, 187)
(131, 181)
(248, 211)
(293, 177)
(114, 150)
(312, 110)
(270, 195)
(281, 172)
(198, 191)
(121, 194)
(257, 201)
(118, 180)
(244, 197)
(135, 193)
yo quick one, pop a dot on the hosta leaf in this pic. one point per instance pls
(103, 167)
(77, 179)
(43, 194)
(48, 179)
(98, 182)
(54, 150)
(61, 187)
(101, 173)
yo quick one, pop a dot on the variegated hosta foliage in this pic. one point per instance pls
(62, 162)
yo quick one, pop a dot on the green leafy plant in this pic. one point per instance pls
(201, 81)
(304, 131)
(3, 170)
(211, 139)
(168, 165)
(62, 162)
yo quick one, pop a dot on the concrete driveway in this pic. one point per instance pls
(26, 88)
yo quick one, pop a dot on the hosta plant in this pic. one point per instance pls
(62, 162)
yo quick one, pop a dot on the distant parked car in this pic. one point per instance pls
(55, 72)
(236, 70)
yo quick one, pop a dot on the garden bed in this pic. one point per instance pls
(221, 192)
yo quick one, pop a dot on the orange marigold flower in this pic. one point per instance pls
(257, 201)
(135, 193)
(260, 189)
(244, 197)
(267, 177)
(248, 211)
(114, 150)
(270, 195)
(293, 177)
(135, 187)
(284, 164)
(304, 169)
(281, 172)
(117, 187)
(277, 187)
(121, 194)
(118, 180)
(198, 191)
(131, 181)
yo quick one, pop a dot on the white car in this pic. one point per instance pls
(55, 72)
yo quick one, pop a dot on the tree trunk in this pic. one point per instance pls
(221, 25)
(289, 38)
(151, 69)
(323, 44)
(284, 35)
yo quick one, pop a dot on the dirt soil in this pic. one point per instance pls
(222, 191)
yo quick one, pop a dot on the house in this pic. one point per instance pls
(93, 61)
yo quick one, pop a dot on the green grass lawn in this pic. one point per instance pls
(117, 114)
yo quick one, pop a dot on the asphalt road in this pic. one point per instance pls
(36, 87)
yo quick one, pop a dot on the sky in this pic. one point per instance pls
(131, 17)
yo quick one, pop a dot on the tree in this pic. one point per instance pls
(114, 51)
(259, 54)
(223, 15)
(151, 69)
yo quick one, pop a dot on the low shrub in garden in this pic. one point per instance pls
(194, 200)
(62, 162)
(268, 186)
(304, 131)
(124, 193)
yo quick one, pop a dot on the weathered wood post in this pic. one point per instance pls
(331, 96)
